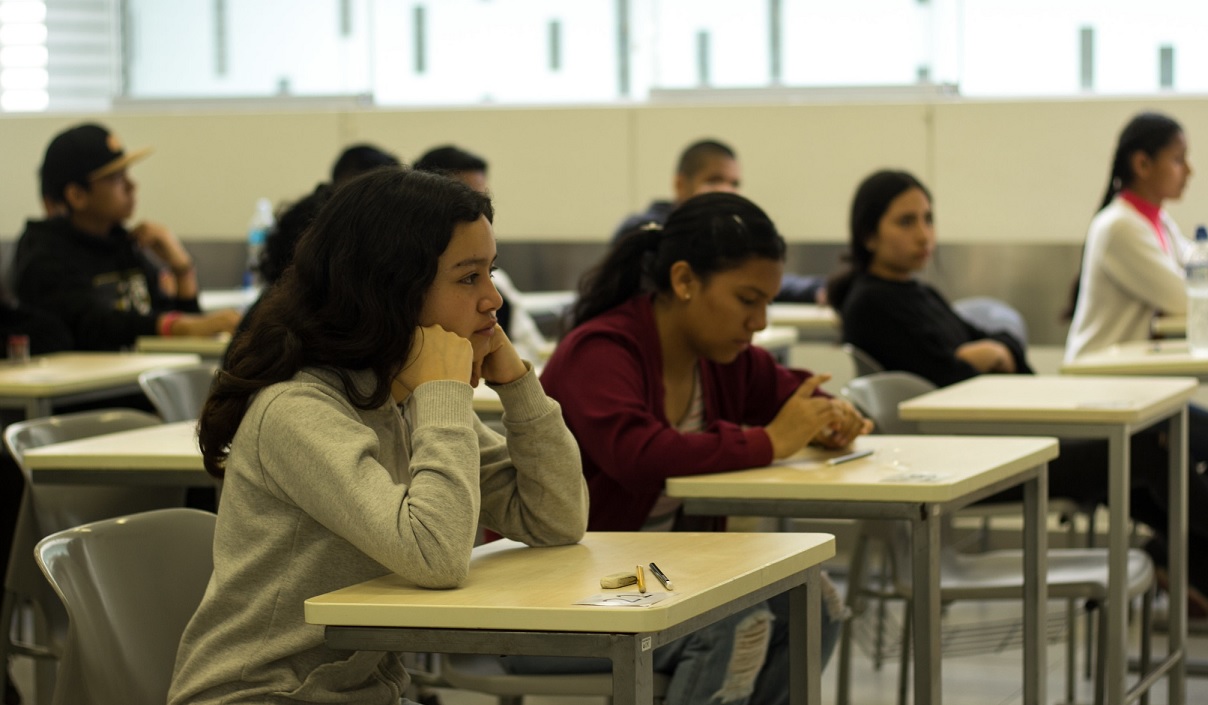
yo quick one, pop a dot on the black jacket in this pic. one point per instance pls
(909, 326)
(103, 289)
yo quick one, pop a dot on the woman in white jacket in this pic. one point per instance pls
(1132, 263)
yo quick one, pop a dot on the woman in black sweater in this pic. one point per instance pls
(888, 313)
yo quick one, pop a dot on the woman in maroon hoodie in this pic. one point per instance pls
(658, 377)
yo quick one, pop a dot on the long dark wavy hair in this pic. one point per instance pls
(712, 232)
(868, 206)
(350, 301)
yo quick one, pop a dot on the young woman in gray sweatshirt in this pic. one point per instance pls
(344, 432)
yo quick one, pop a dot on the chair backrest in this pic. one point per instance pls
(130, 585)
(62, 507)
(178, 393)
(878, 396)
(992, 315)
(862, 362)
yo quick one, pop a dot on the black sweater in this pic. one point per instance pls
(103, 289)
(909, 326)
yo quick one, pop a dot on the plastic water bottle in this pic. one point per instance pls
(1197, 294)
(257, 231)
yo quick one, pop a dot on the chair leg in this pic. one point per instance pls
(1147, 635)
(907, 639)
(855, 585)
(1071, 650)
(1101, 657)
(878, 658)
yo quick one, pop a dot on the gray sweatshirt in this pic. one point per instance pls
(320, 495)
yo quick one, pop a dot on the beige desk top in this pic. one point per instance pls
(803, 316)
(901, 469)
(206, 346)
(73, 372)
(547, 302)
(512, 587)
(1052, 399)
(1147, 357)
(168, 447)
(776, 338)
(218, 299)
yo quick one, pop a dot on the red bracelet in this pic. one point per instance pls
(166, 321)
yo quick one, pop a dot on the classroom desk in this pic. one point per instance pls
(813, 322)
(919, 479)
(155, 455)
(1142, 357)
(1111, 408)
(74, 377)
(219, 299)
(547, 303)
(208, 347)
(519, 600)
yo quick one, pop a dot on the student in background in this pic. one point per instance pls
(471, 170)
(344, 430)
(85, 268)
(358, 159)
(457, 163)
(887, 312)
(658, 378)
(1132, 262)
(907, 325)
(703, 167)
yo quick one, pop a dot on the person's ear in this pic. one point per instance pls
(681, 188)
(1140, 164)
(76, 197)
(684, 282)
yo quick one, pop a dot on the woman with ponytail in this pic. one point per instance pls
(658, 378)
(343, 428)
(1132, 262)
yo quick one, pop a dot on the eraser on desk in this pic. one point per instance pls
(618, 580)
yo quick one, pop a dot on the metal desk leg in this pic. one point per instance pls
(1035, 503)
(1177, 553)
(633, 670)
(925, 547)
(805, 640)
(1116, 641)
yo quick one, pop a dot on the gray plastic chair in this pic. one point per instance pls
(1073, 574)
(993, 316)
(877, 395)
(46, 509)
(178, 393)
(861, 362)
(130, 586)
(486, 674)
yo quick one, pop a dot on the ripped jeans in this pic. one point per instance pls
(734, 661)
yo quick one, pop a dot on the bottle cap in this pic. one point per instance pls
(1201, 233)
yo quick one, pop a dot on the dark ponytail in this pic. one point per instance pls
(1149, 133)
(873, 197)
(712, 232)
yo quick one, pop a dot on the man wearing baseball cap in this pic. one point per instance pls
(82, 265)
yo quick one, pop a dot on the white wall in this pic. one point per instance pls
(1001, 171)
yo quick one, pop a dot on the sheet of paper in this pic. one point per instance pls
(624, 599)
